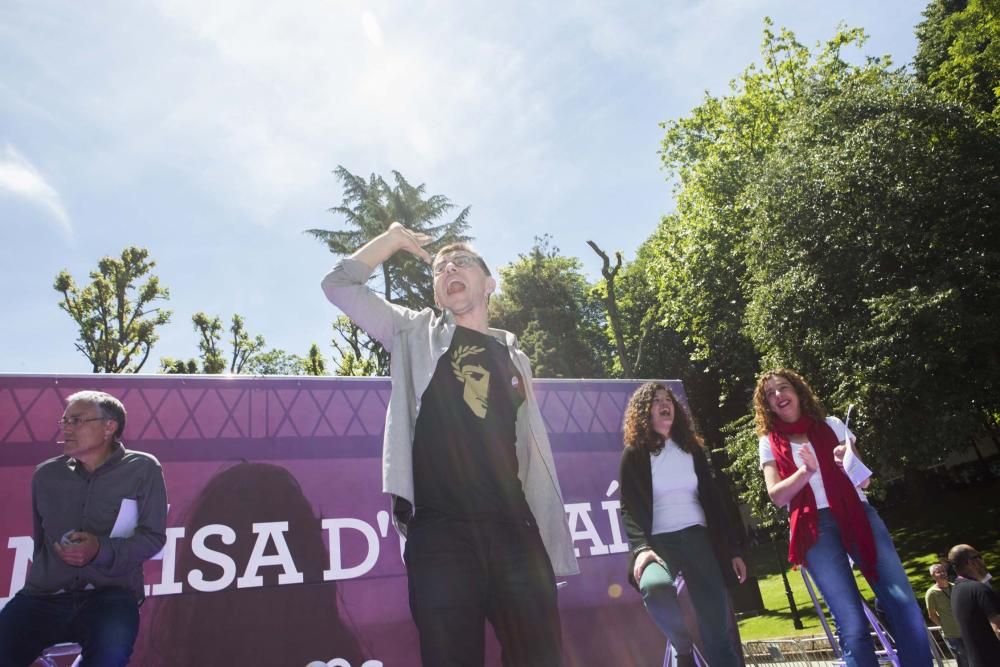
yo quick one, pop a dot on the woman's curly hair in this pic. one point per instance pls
(638, 423)
(809, 404)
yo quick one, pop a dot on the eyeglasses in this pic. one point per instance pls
(460, 262)
(76, 421)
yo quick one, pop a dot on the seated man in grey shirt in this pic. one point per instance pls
(85, 585)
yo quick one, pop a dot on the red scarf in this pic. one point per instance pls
(847, 508)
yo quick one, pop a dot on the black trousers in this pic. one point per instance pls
(462, 573)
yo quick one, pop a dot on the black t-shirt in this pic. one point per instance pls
(973, 603)
(464, 459)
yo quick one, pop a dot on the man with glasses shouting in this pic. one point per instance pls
(99, 510)
(466, 459)
(976, 606)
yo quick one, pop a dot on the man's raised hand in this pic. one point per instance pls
(411, 241)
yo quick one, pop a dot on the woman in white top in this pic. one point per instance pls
(802, 455)
(676, 522)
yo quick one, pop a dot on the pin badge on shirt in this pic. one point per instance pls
(513, 382)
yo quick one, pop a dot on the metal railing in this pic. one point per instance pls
(816, 651)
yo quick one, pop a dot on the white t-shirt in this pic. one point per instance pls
(816, 481)
(675, 490)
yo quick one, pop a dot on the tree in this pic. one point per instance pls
(359, 355)
(244, 347)
(171, 366)
(874, 263)
(660, 352)
(610, 298)
(314, 364)
(959, 52)
(717, 152)
(546, 301)
(117, 318)
(277, 362)
(369, 206)
(697, 258)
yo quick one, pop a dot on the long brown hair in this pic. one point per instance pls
(808, 402)
(638, 423)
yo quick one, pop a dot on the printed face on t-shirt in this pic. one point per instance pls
(475, 378)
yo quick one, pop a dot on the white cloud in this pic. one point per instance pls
(21, 179)
(372, 29)
(263, 104)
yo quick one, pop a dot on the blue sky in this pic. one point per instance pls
(207, 133)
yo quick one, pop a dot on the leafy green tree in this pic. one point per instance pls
(276, 362)
(117, 317)
(659, 351)
(544, 298)
(171, 366)
(609, 295)
(209, 330)
(874, 263)
(358, 354)
(717, 152)
(369, 206)
(243, 346)
(314, 364)
(959, 51)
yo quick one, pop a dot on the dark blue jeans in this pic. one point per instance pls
(463, 573)
(104, 623)
(829, 566)
(957, 647)
(689, 552)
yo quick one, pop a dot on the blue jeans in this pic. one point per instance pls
(103, 622)
(957, 647)
(689, 552)
(830, 569)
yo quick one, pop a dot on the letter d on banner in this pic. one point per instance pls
(337, 569)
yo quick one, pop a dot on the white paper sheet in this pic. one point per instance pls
(128, 517)
(856, 470)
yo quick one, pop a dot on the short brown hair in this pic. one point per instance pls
(808, 402)
(462, 246)
(638, 424)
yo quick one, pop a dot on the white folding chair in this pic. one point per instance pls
(668, 655)
(47, 658)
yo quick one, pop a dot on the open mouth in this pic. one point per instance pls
(784, 404)
(455, 287)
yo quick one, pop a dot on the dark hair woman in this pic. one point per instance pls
(802, 455)
(676, 523)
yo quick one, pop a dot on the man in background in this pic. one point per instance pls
(938, 600)
(976, 606)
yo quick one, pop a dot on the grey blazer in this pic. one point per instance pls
(416, 340)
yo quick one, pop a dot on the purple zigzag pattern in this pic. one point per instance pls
(226, 408)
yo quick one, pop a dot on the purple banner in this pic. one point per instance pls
(280, 549)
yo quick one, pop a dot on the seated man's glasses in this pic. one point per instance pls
(76, 421)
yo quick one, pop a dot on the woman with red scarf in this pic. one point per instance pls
(802, 455)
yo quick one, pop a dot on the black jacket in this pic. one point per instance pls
(635, 475)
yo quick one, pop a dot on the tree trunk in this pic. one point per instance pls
(612, 304)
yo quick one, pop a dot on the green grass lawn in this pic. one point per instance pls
(922, 535)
